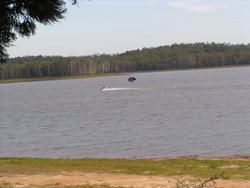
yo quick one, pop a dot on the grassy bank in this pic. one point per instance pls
(232, 169)
(57, 78)
(110, 74)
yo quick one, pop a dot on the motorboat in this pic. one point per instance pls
(131, 79)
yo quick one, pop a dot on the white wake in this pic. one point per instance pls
(122, 89)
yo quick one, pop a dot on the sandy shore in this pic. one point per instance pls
(137, 181)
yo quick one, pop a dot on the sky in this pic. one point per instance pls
(117, 26)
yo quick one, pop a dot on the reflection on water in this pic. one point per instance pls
(162, 114)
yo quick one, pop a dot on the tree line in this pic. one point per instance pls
(176, 56)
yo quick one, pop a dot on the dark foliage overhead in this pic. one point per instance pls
(20, 17)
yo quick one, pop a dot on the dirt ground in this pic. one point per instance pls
(137, 181)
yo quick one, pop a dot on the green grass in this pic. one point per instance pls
(165, 167)
(57, 78)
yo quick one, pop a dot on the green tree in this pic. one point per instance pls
(19, 17)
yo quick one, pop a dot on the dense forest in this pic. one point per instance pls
(176, 56)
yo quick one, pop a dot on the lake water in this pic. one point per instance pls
(203, 113)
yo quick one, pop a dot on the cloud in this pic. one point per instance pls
(202, 6)
(192, 6)
(153, 2)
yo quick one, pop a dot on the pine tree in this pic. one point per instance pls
(19, 17)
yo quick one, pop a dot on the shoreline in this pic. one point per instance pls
(188, 157)
(111, 173)
(58, 78)
(3, 81)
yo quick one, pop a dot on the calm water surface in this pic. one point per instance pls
(204, 113)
